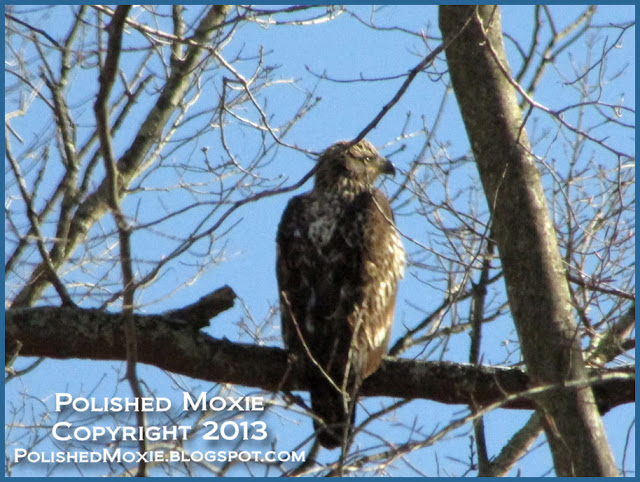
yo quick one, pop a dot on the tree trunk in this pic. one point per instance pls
(536, 282)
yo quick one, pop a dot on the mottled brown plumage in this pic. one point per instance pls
(338, 263)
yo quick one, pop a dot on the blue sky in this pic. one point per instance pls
(342, 49)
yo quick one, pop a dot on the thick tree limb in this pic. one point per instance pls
(173, 344)
(535, 276)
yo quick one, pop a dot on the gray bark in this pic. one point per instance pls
(535, 278)
(172, 342)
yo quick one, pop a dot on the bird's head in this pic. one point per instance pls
(350, 167)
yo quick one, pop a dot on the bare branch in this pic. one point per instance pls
(172, 344)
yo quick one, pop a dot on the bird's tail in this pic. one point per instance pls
(336, 413)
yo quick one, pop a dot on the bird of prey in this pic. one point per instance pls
(339, 259)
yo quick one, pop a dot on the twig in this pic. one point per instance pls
(405, 85)
(537, 105)
(35, 227)
(107, 78)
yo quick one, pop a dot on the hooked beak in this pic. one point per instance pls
(386, 167)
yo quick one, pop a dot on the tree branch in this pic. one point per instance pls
(95, 205)
(199, 313)
(172, 344)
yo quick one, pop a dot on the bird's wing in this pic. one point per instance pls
(292, 267)
(381, 265)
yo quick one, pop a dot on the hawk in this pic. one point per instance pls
(339, 259)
